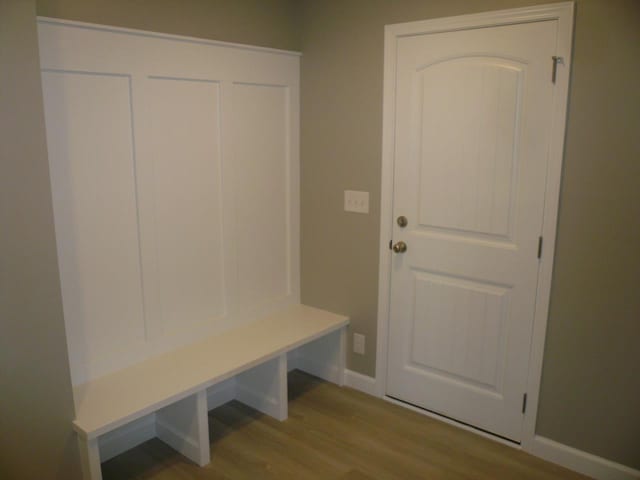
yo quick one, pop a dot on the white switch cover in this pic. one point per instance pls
(358, 343)
(357, 202)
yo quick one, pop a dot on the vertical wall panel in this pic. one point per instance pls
(184, 147)
(262, 196)
(91, 153)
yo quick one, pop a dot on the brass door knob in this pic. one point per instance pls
(402, 221)
(400, 247)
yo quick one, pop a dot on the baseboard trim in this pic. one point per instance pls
(363, 383)
(580, 461)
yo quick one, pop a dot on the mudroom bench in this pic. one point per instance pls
(174, 391)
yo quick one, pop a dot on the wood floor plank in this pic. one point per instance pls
(335, 433)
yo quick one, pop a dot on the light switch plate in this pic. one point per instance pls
(357, 202)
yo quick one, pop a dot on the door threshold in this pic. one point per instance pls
(453, 422)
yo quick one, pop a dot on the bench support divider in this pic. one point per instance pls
(264, 387)
(184, 426)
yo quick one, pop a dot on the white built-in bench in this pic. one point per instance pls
(251, 361)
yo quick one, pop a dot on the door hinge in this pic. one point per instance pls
(554, 72)
(539, 247)
(524, 403)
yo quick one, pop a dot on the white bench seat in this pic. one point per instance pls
(174, 385)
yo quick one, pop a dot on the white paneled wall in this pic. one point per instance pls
(175, 175)
(262, 211)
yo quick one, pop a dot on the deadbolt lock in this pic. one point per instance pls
(402, 221)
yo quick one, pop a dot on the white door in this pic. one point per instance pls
(472, 128)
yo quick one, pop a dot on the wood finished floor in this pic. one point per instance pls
(334, 433)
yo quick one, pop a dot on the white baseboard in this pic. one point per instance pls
(360, 382)
(580, 461)
(126, 437)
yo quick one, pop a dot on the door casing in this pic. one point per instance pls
(563, 13)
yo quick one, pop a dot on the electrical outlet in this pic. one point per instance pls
(357, 202)
(358, 343)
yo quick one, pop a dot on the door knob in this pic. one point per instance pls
(402, 221)
(400, 247)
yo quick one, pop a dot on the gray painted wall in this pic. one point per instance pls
(268, 23)
(591, 387)
(591, 380)
(36, 404)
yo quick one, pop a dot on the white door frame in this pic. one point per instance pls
(563, 13)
